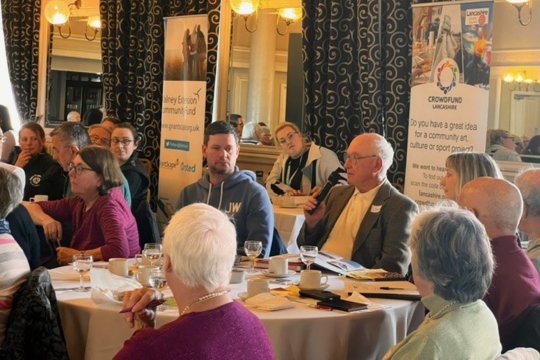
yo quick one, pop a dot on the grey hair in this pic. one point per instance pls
(200, 242)
(72, 133)
(11, 192)
(471, 165)
(451, 249)
(528, 183)
(385, 151)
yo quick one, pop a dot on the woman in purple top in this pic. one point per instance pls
(199, 248)
(103, 225)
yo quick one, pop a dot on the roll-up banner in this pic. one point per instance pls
(451, 60)
(184, 98)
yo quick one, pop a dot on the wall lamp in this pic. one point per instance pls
(58, 13)
(247, 8)
(521, 82)
(519, 5)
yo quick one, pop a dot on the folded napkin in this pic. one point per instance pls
(269, 302)
(108, 288)
(66, 273)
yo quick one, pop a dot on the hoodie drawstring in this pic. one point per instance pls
(220, 195)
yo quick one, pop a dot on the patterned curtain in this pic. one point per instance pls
(357, 64)
(21, 21)
(132, 48)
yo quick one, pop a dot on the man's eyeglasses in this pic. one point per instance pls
(123, 141)
(78, 168)
(287, 138)
(354, 158)
(98, 140)
(3, 138)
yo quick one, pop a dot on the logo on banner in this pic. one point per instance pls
(447, 75)
(476, 16)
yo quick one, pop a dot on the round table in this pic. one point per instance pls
(97, 331)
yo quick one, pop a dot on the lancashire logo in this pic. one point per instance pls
(447, 75)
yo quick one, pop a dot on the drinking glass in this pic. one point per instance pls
(308, 254)
(253, 249)
(157, 279)
(152, 252)
(82, 264)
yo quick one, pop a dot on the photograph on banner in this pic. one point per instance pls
(183, 108)
(450, 91)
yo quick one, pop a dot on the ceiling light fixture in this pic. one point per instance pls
(519, 5)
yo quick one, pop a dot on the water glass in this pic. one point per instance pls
(253, 248)
(82, 264)
(308, 254)
(152, 252)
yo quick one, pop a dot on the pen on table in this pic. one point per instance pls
(390, 288)
(151, 304)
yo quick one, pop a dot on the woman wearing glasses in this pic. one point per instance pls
(103, 225)
(303, 168)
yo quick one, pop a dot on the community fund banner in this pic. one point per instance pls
(450, 91)
(184, 98)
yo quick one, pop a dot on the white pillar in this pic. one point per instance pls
(261, 73)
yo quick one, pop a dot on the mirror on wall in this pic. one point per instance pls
(259, 66)
(74, 78)
(514, 102)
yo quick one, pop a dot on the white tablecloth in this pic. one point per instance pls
(288, 222)
(98, 331)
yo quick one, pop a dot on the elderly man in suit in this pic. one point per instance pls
(528, 183)
(368, 221)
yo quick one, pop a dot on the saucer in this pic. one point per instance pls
(242, 295)
(279, 276)
(322, 287)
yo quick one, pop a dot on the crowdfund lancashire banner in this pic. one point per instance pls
(450, 91)
(184, 97)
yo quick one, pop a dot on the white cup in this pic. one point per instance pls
(237, 276)
(38, 198)
(312, 279)
(118, 266)
(257, 286)
(143, 274)
(278, 265)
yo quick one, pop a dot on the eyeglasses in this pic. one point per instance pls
(287, 138)
(98, 140)
(123, 141)
(3, 138)
(354, 158)
(78, 168)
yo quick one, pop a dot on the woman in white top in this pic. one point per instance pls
(303, 167)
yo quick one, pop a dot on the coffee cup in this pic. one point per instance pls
(312, 279)
(237, 276)
(118, 266)
(257, 286)
(278, 265)
(143, 274)
(38, 198)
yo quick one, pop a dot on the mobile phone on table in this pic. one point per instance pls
(319, 294)
(342, 305)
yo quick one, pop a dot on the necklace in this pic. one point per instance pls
(203, 298)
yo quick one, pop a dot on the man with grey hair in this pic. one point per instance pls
(199, 247)
(528, 183)
(516, 283)
(368, 221)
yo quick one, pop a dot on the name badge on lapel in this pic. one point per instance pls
(376, 208)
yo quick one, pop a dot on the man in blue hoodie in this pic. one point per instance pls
(233, 191)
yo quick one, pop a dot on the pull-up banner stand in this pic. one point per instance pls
(450, 90)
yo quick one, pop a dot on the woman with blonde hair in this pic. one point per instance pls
(303, 167)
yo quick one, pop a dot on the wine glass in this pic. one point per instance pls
(157, 279)
(308, 254)
(253, 249)
(152, 252)
(82, 264)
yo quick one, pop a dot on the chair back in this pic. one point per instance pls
(277, 247)
(34, 330)
(528, 331)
